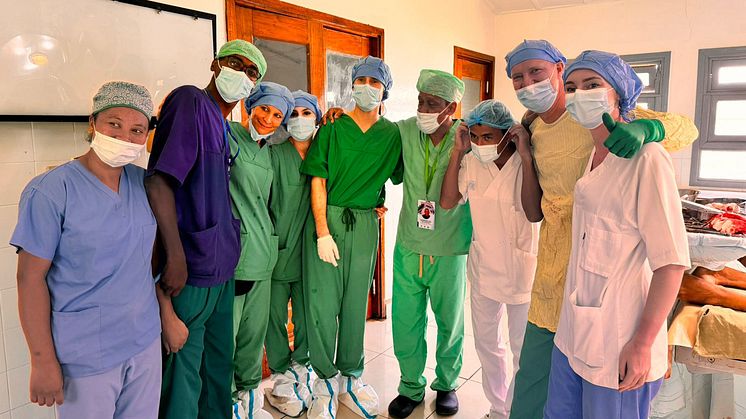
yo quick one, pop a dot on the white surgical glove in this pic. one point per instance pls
(328, 251)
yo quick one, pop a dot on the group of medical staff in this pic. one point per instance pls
(567, 223)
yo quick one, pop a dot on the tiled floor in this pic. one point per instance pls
(382, 372)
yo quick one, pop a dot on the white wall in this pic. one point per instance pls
(418, 34)
(630, 27)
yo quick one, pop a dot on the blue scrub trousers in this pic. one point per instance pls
(571, 397)
(130, 390)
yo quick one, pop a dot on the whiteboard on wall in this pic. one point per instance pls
(55, 54)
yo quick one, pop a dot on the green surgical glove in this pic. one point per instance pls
(626, 139)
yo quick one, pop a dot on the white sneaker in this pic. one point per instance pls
(288, 395)
(324, 401)
(253, 402)
(358, 397)
(239, 411)
(304, 374)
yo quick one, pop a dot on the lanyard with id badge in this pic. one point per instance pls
(426, 207)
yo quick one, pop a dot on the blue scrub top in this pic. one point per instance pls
(104, 309)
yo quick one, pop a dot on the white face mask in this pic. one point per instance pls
(538, 97)
(366, 97)
(489, 153)
(588, 106)
(233, 85)
(302, 128)
(113, 152)
(428, 122)
(255, 134)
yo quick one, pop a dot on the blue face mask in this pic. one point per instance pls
(366, 96)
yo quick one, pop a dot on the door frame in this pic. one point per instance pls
(317, 21)
(240, 27)
(460, 53)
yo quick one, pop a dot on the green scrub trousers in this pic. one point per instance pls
(250, 318)
(197, 379)
(532, 380)
(278, 350)
(337, 297)
(443, 283)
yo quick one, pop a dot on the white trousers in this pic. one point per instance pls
(497, 376)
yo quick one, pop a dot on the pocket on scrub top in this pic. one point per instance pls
(76, 336)
(598, 257)
(587, 330)
(256, 257)
(200, 248)
(523, 231)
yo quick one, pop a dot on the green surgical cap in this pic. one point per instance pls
(439, 83)
(245, 49)
(117, 94)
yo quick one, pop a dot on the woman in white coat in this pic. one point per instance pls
(502, 256)
(629, 252)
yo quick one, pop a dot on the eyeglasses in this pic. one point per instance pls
(238, 65)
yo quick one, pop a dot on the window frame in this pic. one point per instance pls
(708, 94)
(657, 101)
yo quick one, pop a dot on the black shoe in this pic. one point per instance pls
(446, 403)
(402, 406)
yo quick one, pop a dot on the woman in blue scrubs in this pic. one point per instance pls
(86, 293)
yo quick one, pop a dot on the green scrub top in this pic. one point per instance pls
(289, 207)
(250, 184)
(452, 233)
(355, 164)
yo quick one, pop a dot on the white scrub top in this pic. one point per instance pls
(626, 223)
(502, 256)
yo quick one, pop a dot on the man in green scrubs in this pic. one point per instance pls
(290, 207)
(430, 253)
(350, 161)
(269, 105)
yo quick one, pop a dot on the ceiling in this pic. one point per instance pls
(515, 6)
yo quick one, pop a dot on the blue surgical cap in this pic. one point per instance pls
(533, 49)
(614, 70)
(492, 113)
(376, 68)
(307, 100)
(268, 93)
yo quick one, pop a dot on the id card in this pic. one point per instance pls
(426, 214)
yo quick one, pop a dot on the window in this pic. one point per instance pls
(653, 69)
(718, 155)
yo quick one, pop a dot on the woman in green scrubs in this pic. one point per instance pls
(269, 106)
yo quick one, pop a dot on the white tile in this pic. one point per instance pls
(8, 265)
(370, 355)
(9, 304)
(13, 178)
(8, 220)
(81, 134)
(54, 141)
(16, 142)
(16, 351)
(3, 365)
(33, 411)
(5, 415)
(378, 336)
(18, 386)
(4, 396)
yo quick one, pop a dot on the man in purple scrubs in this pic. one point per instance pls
(187, 186)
